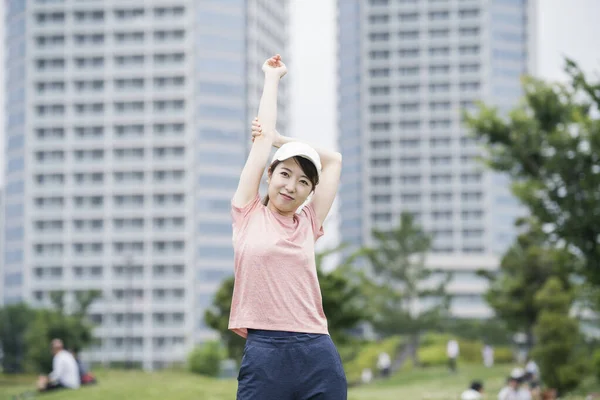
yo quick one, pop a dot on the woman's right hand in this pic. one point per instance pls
(274, 67)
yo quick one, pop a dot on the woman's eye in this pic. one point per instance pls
(284, 174)
(304, 183)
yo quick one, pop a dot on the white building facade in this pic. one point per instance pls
(407, 68)
(127, 128)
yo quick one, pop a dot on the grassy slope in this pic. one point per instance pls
(431, 383)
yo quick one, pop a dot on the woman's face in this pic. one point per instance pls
(289, 187)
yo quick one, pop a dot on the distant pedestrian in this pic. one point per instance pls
(384, 364)
(488, 356)
(452, 350)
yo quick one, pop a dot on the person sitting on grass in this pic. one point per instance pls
(475, 392)
(65, 373)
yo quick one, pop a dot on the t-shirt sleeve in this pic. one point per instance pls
(317, 228)
(240, 214)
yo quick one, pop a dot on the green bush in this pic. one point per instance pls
(206, 359)
(597, 364)
(432, 351)
(367, 357)
(503, 355)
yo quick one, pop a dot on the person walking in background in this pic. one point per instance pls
(384, 363)
(452, 351)
(277, 304)
(488, 355)
(532, 372)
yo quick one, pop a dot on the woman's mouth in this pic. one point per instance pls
(286, 197)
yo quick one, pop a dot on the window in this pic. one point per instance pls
(408, 35)
(438, 15)
(379, 54)
(439, 33)
(468, 13)
(379, 72)
(379, 37)
(408, 17)
(378, 19)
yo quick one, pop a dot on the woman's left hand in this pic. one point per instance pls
(257, 131)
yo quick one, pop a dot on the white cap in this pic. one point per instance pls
(517, 373)
(293, 149)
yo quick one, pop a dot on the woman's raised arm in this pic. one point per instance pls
(259, 153)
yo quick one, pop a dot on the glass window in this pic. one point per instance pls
(224, 21)
(220, 66)
(212, 157)
(14, 7)
(14, 234)
(215, 252)
(15, 188)
(14, 279)
(218, 182)
(220, 112)
(214, 204)
(13, 256)
(217, 133)
(208, 43)
(210, 275)
(15, 164)
(214, 228)
(15, 142)
(222, 89)
(14, 211)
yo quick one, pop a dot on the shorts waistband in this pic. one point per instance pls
(281, 338)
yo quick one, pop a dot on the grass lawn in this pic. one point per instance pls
(431, 383)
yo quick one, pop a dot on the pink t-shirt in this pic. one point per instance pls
(276, 285)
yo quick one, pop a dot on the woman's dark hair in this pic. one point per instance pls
(307, 167)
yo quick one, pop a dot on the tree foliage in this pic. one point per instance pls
(25, 333)
(397, 259)
(524, 269)
(74, 329)
(550, 146)
(557, 335)
(15, 320)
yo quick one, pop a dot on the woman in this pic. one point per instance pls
(276, 301)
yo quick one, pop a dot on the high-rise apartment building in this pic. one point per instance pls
(127, 127)
(406, 70)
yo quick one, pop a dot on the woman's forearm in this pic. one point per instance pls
(328, 157)
(267, 109)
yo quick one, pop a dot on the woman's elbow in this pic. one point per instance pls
(336, 157)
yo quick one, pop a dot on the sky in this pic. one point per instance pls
(565, 27)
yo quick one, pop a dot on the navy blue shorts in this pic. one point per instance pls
(291, 366)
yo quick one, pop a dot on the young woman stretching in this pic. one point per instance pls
(277, 299)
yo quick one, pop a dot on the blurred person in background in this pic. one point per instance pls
(514, 390)
(488, 356)
(452, 351)
(474, 392)
(65, 373)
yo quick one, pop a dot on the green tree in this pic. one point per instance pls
(561, 366)
(343, 303)
(397, 260)
(73, 329)
(15, 320)
(524, 269)
(550, 147)
(217, 318)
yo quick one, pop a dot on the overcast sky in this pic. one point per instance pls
(565, 27)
